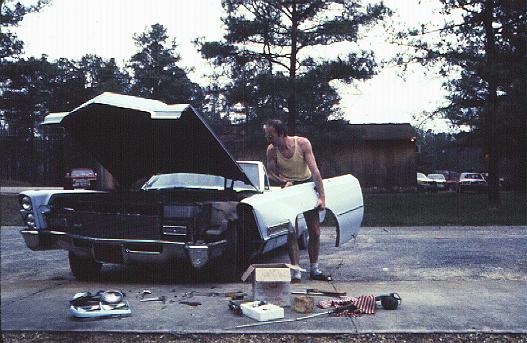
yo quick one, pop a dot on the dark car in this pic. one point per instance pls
(198, 207)
(80, 178)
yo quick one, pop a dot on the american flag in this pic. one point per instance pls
(365, 304)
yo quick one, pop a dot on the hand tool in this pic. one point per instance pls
(236, 295)
(314, 291)
(161, 298)
(335, 311)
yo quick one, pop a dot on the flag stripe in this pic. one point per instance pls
(365, 304)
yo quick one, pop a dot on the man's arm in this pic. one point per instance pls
(272, 171)
(312, 165)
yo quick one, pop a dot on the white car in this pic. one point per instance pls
(425, 184)
(471, 182)
(439, 179)
(199, 205)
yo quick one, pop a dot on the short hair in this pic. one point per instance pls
(278, 125)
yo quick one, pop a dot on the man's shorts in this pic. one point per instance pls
(313, 212)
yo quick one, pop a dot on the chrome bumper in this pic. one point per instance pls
(125, 251)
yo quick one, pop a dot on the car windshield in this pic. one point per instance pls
(421, 176)
(201, 181)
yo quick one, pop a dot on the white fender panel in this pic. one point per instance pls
(276, 210)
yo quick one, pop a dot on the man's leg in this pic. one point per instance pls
(313, 247)
(292, 247)
(294, 252)
(313, 226)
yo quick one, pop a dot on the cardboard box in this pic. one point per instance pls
(262, 312)
(271, 282)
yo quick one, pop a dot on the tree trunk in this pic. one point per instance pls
(491, 110)
(291, 99)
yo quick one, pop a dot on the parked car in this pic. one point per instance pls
(439, 179)
(471, 182)
(425, 184)
(199, 206)
(80, 178)
(452, 179)
(501, 181)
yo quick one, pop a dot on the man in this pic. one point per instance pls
(290, 161)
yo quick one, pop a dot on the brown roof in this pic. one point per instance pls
(374, 132)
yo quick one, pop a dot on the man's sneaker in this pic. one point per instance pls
(320, 277)
(296, 280)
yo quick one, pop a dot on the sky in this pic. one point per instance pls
(73, 28)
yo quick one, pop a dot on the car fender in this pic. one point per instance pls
(277, 211)
(40, 199)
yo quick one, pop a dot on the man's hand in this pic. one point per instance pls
(288, 184)
(321, 204)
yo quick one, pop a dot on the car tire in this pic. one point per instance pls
(84, 269)
(303, 240)
(230, 267)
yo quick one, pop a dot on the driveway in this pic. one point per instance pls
(451, 279)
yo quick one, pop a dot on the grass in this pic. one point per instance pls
(14, 183)
(424, 209)
(398, 209)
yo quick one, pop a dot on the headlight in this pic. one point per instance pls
(30, 220)
(25, 202)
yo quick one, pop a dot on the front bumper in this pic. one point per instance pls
(125, 251)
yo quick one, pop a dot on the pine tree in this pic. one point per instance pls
(485, 44)
(277, 38)
(155, 71)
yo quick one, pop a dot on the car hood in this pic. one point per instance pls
(135, 138)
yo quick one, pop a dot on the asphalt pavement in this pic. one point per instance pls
(451, 280)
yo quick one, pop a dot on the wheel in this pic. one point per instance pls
(83, 268)
(235, 261)
(303, 240)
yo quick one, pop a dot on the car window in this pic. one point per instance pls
(251, 170)
(184, 180)
(82, 173)
(191, 180)
(436, 176)
(474, 176)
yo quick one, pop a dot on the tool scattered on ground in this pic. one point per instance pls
(101, 304)
(235, 308)
(236, 295)
(318, 292)
(332, 312)
(145, 292)
(190, 303)
(162, 298)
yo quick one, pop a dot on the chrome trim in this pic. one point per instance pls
(182, 227)
(279, 233)
(351, 210)
(278, 229)
(30, 232)
(142, 252)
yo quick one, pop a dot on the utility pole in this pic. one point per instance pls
(491, 110)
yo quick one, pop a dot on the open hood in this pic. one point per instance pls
(135, 138)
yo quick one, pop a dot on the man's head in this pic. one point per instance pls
(275, 129)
